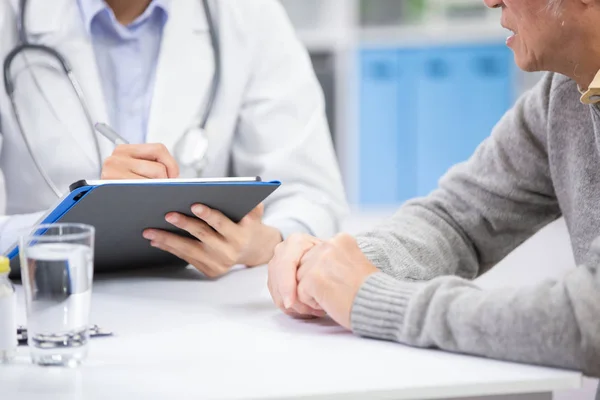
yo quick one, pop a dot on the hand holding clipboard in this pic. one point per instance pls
(122, 210)
(137, 161)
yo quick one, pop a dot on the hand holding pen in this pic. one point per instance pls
(136, 161)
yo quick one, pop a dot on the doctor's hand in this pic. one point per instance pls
(330, 275)
(140, 161)
(219, 243)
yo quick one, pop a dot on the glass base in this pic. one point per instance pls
(70, 358)
(63, 350)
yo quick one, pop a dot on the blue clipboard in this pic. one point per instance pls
(121, 210)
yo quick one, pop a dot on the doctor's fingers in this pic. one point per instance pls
(219, 222)
(208, 271)
(195, 263)
(189, 250)
(152, 152)
(121, 167)
(121, 175)
(226, 252)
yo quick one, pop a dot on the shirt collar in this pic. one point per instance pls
(91, 8)
(592, 94)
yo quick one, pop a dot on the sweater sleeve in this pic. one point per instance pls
(556, 323)
(483, 209)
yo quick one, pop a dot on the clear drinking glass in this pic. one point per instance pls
(57, 273)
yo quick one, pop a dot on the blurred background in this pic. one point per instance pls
(412, 87)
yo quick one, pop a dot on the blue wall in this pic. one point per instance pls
(424, 110)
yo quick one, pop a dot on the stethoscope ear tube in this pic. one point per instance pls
(8, 83)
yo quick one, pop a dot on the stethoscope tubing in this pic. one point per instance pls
(24, 46)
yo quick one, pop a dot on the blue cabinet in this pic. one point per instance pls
(424, 110)
(439, 117)
(490, 81)
(387, 138)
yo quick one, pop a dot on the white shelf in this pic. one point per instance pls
(417, 35)
(433, 33)
(335, 24)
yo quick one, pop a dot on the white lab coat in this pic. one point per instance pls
(269, 117)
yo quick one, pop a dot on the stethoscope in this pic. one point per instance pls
(190, 151)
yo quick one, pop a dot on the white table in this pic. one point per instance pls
(179, 336)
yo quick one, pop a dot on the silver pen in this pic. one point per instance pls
(110, 133)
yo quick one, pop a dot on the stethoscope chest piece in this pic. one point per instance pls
(191, 151)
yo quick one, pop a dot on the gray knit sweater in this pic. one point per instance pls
(541, 161)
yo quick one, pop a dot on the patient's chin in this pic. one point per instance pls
(526, 64)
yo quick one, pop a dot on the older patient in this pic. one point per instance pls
(541, 161)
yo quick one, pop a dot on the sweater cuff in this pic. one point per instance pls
(374, 254)
(380, 307)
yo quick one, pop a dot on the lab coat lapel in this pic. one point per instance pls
(184, 73)
(58, 24)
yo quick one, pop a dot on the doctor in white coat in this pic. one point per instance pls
(148, 69)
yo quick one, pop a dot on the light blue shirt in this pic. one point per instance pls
(126, 57)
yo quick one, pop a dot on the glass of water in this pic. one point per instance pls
(57, 273)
